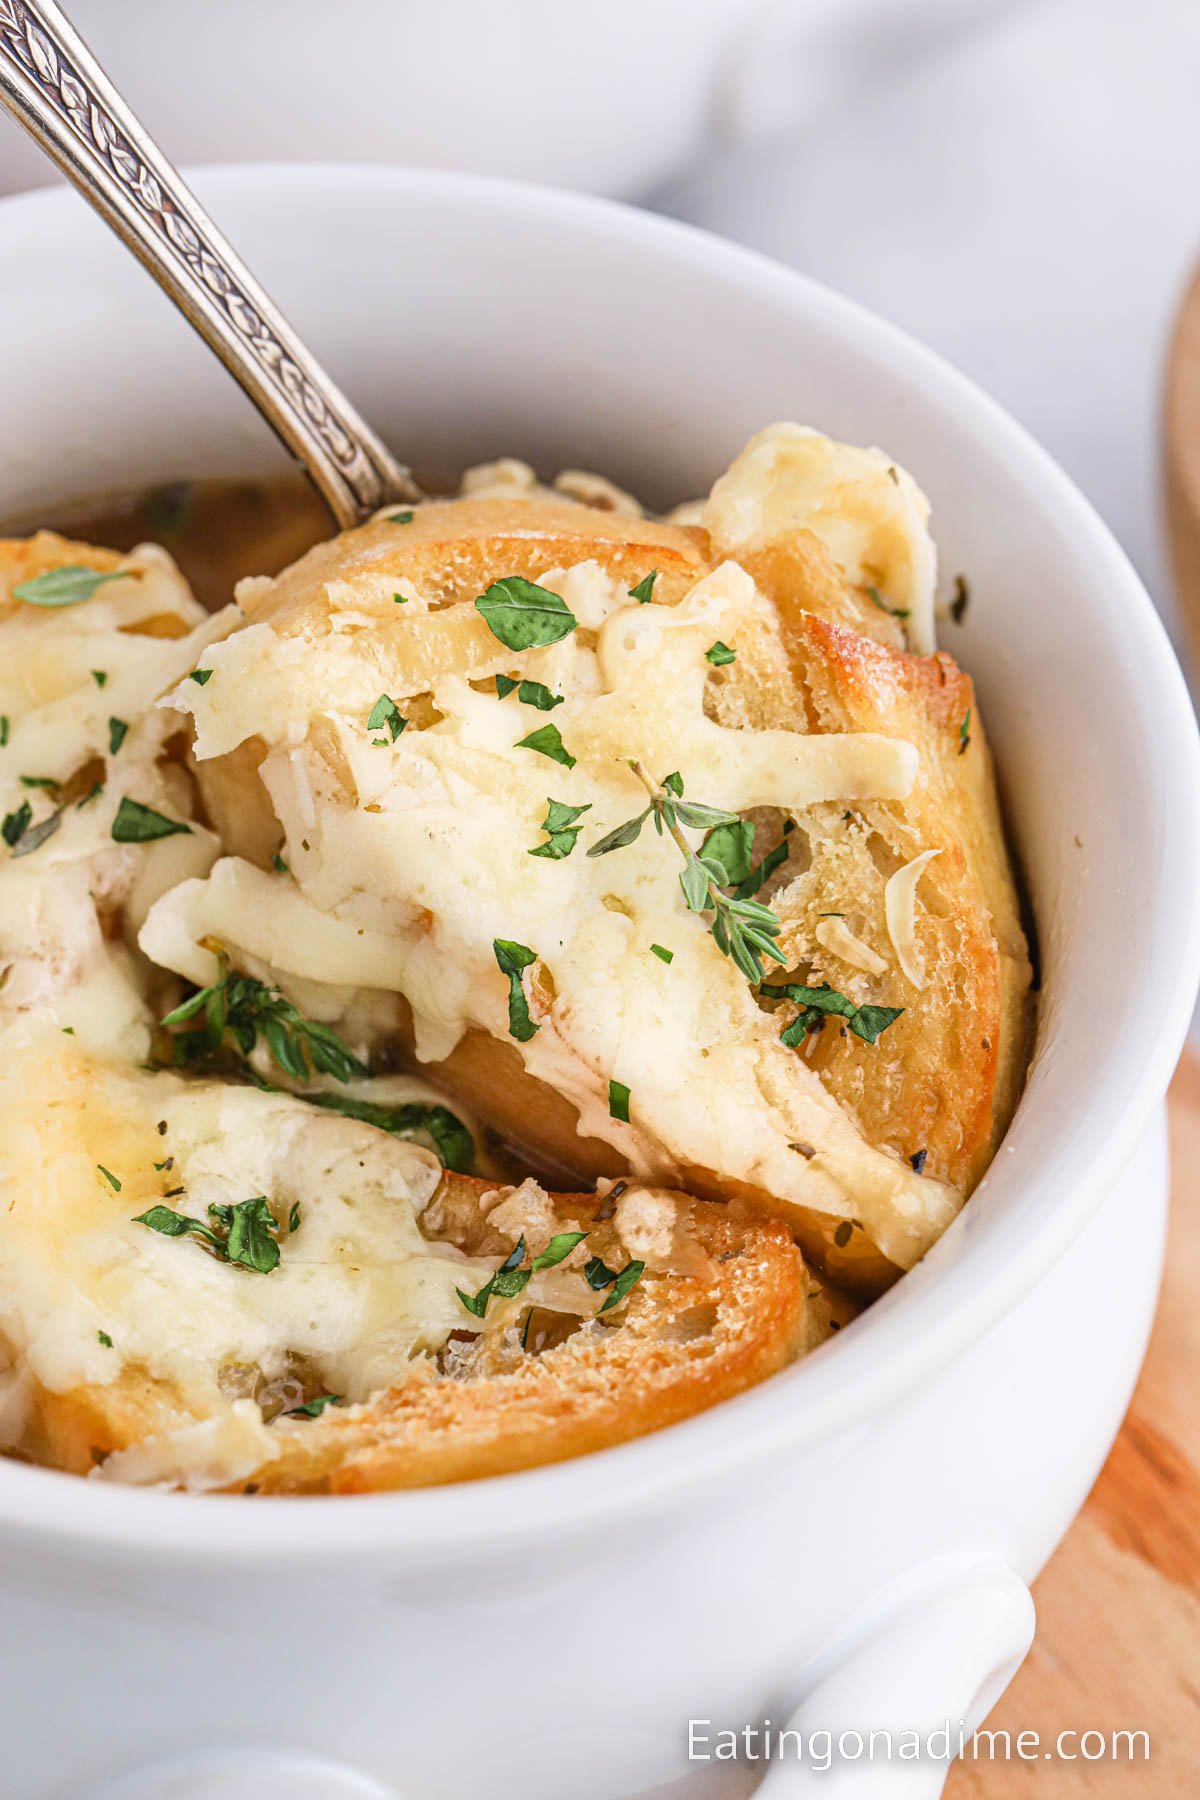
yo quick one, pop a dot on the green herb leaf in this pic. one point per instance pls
(508, 1281)
(38, 781)
(251, 1241)
(763, 871)
(99, 676)
(644, 591)
(386, 712)
(536, 693)
(674, 784)
(174, 1224)
(618, 1101)
(730, 846)
(16, 824)
(201, 676)
(312, 1409)
(523, 615)
(138, 824)
(623, 835)
(964, 731)
(504, 686)
(401, 518)
(562, 830)
(105, 1339)
(701, 817)
(117, 730)
(3, 729)
(557, 1250)
(597, 1274)
(630, 1274)
(449, 1137)
(294, 1217)
(513, 958)
(818, 1003)
(242, 1007)
(719, 654)
(111, 1179)
(279, 866)
(667, 956)
(66, 586)
(547, 741)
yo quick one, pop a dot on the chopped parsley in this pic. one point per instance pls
(15, 824)
(547, 741)
(400, 599)
(200, 676)
(644, 591)
(819, 1003)
(241, 1007)
(3, 729)
(763, 871)
(599, 1276)
(105, 1339)
(561, 829)
(117, 732)
(742, 929)
(719, 654)
(618, 1101)
(138, 824)
(511, 1279)
(99, 676)
(401, 518)
(66, 586)
(666, 956)
(242, 1234)
(529, 693)
(39, 781)
(112, 1180)
(279, 866)
(731, 847)
(451, 1141)
(876, 599)
(964, 731)
(513, 959)
(523, 615)
(312, 1409)
(385, 712)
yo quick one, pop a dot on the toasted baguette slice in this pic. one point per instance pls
(745, 1307)
(736, 1306)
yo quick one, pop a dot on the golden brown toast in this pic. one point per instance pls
(738, 1306)
(815, 656)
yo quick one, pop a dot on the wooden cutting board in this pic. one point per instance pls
(1118, 1641)
(1181, 464)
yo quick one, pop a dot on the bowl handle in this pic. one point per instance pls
(931, 1669)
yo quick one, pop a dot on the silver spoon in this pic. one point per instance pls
(53, 86)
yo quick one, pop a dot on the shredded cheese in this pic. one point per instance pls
(900, 906)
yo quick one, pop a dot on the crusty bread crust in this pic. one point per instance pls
(737, 1305)
(938, 1088)
(683, 1342)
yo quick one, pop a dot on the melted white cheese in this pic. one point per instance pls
(410, 858)
(358, 1290)
(868, 512)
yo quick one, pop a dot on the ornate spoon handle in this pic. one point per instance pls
(54, 87)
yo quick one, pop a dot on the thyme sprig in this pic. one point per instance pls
(240, 1007)
(742, 929)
